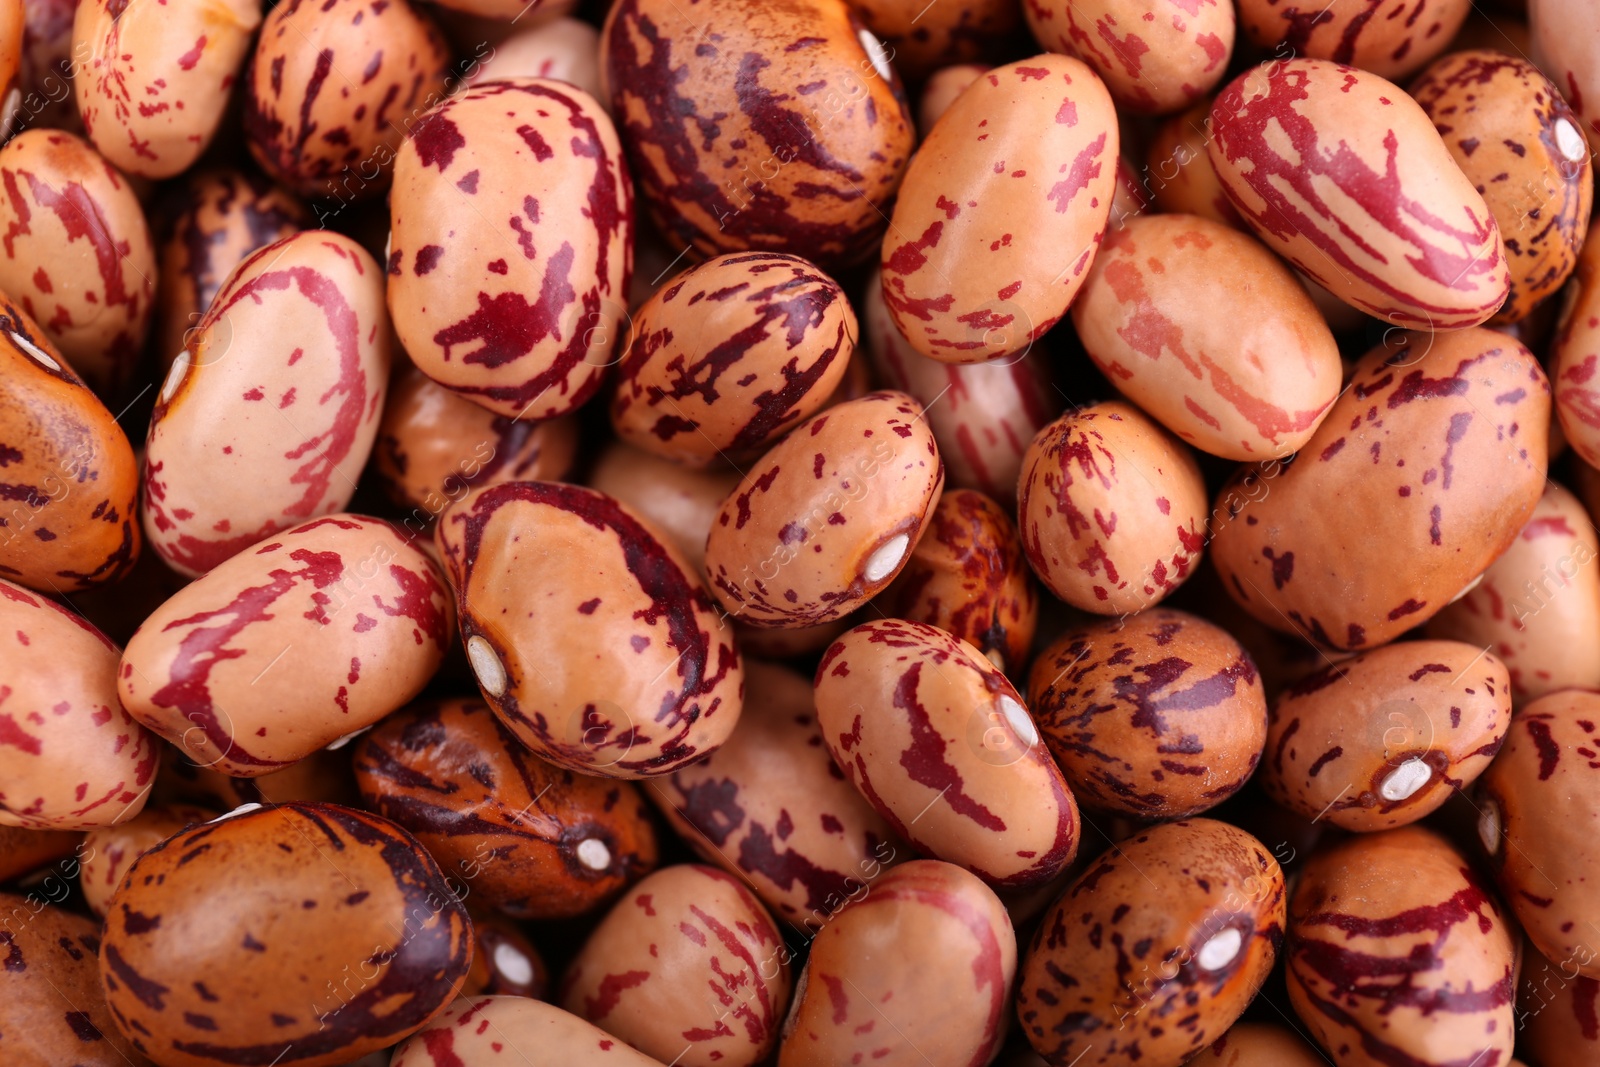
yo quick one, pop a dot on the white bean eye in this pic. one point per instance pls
(39, 355)
(1489, 826)
(513, 963)
(593, 854)
(1404, 781)
(180, 367)
(1020, 721)
(882, 563)
(1570, 141)
(1221, 950)
(487, 666)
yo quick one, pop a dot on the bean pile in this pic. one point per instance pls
(799, 533)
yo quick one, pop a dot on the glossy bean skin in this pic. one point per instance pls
(533, 840)
(1566, 44)
(565, 49)
(1379, 215)
(730, 355)
(1158, 716)
(108, 851)
(55, 1011)
(663, 698)
(1514, 137)
(202, 964)
(996, 225)
(1398, 952)
(78, 254)
(968, 577)
(679, 501)
(1575, 357)
(1094, 533)
(940, 743)
(225, 216)
(1156, 56)
(921, 968)
(1532, 599)
(1390, 38)
(687, 964)
(157, 78)
(920, 40)
(941, 90)
(69, 481)
(982, 414)
(365, 617)
(74, 758)
(474, 1032)
(333, 87)
(1178, 170)
(826, 519)
(1209, 333)
(1538, 806)
(246, 439)
(322, 776)
(504, 962)
(1258, 1045)
(1408, 449)
(1155, 949)
(770, 806)
(511, 245)
(775, 171)
(1383, 738)
(434, 445)
(1556, 1011)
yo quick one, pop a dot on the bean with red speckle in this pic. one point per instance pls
(476, 1031)
(108, 851)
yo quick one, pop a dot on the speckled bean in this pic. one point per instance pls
(1391, 38)
(108, 851)
(564, 49)
(920, 38)
(491, 1031)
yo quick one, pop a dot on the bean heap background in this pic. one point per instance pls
(734, 532)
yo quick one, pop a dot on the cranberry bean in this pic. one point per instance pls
(504, 962)
(562, 49)
(680, 502)
(1391, 38)
(920, 38)
(108, 851)
(476, 1032)
(1556, 1011)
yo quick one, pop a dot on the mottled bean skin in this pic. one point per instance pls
(660, 682)
(940, 743)
(1155, 950)
(730, 355)
(688, 964)
(69, 482)
(225, 215)
(511, 245)
(1093, 530)
(1377, 213)
(1390, 38)
(1518, 141)
(72, 757)
(433, 445)
(1557, 1018)
(1534, 598)
(533, 840)
(1538, 808)
(1209, 333)
(968, 577)
(770, 806)
(268, 415)
(239, 937)
(1258, 1045)
(1566, 45)
(108, 851)
(1439, 443)
(826, 519)
(54, 1010)
(982, 414)
(318, 632)
(921, 968)
(489, 1031)
(1398, 953)
(333, 87)
(1158, 716)
(322, 776)
(921, 39)
(996, 225)
(77, 253)
(1156, 56)
(1383, 738)
(753, 126)
(155, 79)
(1575, 357)
(679, 501)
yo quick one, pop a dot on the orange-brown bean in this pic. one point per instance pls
(108, 851)
(1557, 1011)
(1391, 38)
(921, 38)
(1258, 1045)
